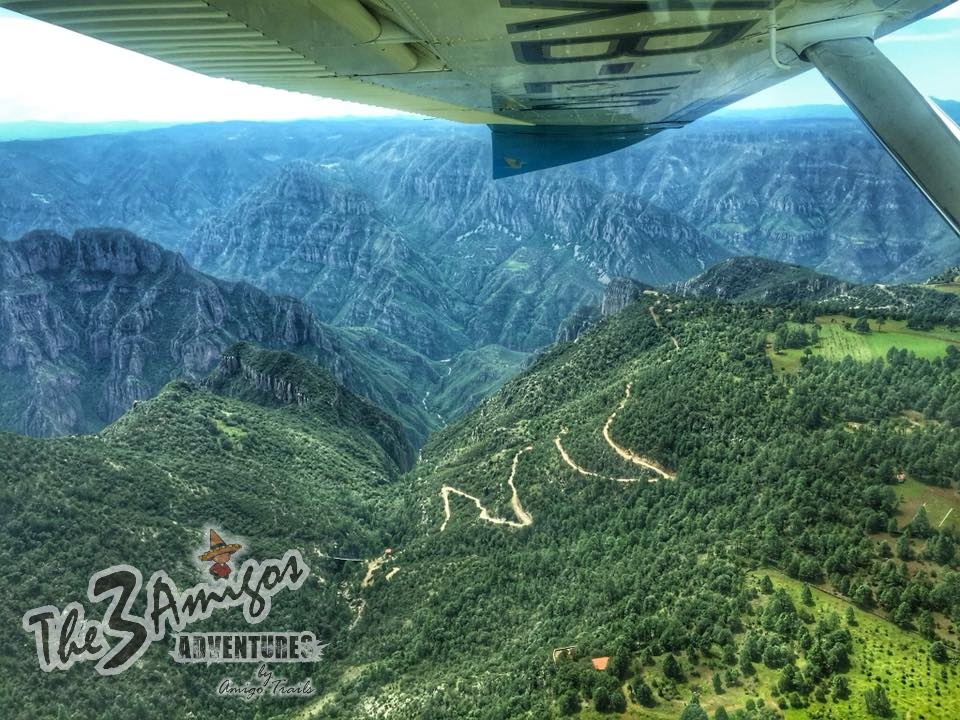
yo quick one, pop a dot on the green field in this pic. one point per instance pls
(516, 265)
(836, 342)
(884, 652)
(938, 502)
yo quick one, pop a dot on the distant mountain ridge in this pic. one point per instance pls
(817, 192)
(91, 324)
(393, 231)
(309, 232)
(772, 283)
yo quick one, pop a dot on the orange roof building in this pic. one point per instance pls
(600, 663)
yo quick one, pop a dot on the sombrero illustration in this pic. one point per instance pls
(218, 547)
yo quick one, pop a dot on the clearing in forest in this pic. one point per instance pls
(837, 342)
(942, 504)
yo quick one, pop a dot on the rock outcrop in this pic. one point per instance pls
(93, 323)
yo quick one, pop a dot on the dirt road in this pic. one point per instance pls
(523, 517)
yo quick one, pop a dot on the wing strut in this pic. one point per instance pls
(917, 134)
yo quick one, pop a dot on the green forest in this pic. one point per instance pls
(737, 541)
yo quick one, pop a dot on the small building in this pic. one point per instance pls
(600, 663)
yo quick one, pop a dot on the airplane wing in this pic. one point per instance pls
(557, 80)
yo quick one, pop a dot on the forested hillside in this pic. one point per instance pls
(616, 499)
(735, 540)
(270, 449)
(728, 490)
(767, 282)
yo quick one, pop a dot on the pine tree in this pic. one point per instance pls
(618, 703)
(920, 525)
(601, 699)
(671, 669)
(693, 711)
(877, 702)
(788, 678)
(729, 655)
(643, 694)
(806, 597)
(717, 683)
(569, 703)
(619, 664)
(904, 551)
(938, 652)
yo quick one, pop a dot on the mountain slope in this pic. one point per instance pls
(762, 280)
(307, 232)
(314, 471)
(616, 497)
(758, 280)
(481, 262)
(89, 325)
(524, 252)
(613, 498)
(821, 193)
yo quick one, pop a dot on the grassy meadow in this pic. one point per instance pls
(836, 342)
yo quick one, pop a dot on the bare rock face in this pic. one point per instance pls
(310, 233)
(93, 323)
(276, 377)
(619, 293)
(578, 322)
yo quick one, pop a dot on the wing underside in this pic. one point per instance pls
(557, 80)
(542, 62)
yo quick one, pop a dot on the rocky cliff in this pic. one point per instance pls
(309, 232)
(93, 323)
(819, 192)
(275, 378)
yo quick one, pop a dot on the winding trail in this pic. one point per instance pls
(523, 517)
(372, 567)
(584, 471)
(629, 455)
(656, 321)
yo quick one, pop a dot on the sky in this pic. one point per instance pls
(53, 75)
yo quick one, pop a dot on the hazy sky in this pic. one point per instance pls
(51, 74)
